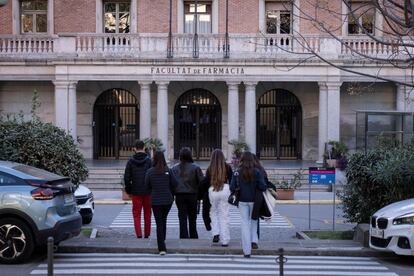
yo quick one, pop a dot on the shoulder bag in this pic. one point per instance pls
(234, 196)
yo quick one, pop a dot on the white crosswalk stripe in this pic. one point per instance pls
(125, 220)
(184, 264)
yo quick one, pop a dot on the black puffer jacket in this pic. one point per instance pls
(161, 185)
(189, 177)
(134, 175)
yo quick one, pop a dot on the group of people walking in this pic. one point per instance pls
(152, 184)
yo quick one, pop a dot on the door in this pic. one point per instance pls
(279, 118)
(197, 123)
(115, 124)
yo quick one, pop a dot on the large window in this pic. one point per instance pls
(203, 17)
(361, 18)
(33, 16)
(117, 17)
(278, 18)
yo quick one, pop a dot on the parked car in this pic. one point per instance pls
(392, 228)
(34, 205)
(86, 205)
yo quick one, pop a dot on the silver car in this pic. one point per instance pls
(34, 205)
(392, 228)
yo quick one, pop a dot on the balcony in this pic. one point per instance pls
(210, 46)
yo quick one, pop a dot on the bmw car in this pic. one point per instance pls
(392, 228)
(34, 205)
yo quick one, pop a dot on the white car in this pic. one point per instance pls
(86, 206)
(392, 228)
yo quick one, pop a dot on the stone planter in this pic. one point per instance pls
(285, 194)
(126, 196)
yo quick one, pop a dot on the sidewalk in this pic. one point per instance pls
(114, 243)
(301, 197)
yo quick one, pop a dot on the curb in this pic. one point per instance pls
(295, 251)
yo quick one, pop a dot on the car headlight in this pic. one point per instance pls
(90, 195)
(406, 219)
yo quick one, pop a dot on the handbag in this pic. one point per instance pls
(234, 196)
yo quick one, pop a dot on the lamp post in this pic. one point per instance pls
(195, 39)
(170, 46)
(226, 39)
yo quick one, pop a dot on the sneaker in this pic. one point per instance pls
(254, 245)
(247, 256)
(139, 237)
(146, 237)
(162, 253)
(216, 238)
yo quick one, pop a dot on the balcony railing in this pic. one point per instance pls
(150, 46)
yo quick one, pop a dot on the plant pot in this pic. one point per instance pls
(126, 196)
(285, 194)
(331, 163)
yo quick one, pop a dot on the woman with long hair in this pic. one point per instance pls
(189, 176)
(218, 175)
(248, 180)
(161, 183)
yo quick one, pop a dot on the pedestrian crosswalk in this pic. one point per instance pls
(125, 220)
(203, 264)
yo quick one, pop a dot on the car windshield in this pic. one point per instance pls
(35, 172)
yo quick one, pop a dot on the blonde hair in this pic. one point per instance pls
(217, 170)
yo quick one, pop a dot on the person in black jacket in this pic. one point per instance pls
(162, 183)
(189, 176)
(134, 178)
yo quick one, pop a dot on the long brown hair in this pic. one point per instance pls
(159, 162)
(259, 165)
(217, 170)
(247, 166)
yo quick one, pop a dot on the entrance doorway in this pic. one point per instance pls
(115, 124)
(197, 123)
(279, 125)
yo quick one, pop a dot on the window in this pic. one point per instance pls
(33, 16)
(278, 18)
(203, 17)
(361, 18)
(8, 180)
(117, 17)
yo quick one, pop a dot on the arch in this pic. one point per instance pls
(115, 124)
(197, 123)
(279, 125)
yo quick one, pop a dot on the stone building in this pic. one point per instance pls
(112, 71)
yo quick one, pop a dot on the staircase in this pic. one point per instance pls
(111, 178)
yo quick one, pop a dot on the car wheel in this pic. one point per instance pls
(86, 220)
(16, 241)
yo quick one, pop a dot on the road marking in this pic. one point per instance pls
(186, 264)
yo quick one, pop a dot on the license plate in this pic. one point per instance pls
(69, 198)
(377, 233)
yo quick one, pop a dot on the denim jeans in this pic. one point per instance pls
(248, 227)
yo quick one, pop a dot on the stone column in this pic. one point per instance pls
(65, 106)
(250, 116)
(322, 120)
(162, 115)
(233, 114)
(145, 111)
(334, 110)
(401, 97)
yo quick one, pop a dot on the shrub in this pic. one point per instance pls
(377, 178)
(41, 145)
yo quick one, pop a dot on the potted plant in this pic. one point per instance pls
(151, 145)
(286, 188)
(238, 148)
(335, 155)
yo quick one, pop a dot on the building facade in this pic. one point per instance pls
(112, 71)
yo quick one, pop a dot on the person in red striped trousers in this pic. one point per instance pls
(134, 178)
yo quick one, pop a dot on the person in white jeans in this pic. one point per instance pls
(218, 174)
(219, 213)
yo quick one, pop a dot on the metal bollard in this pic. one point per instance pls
(281, 260)
(50, 250)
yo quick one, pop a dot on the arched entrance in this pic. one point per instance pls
(197, 123)
(115, 124)
(279, 125)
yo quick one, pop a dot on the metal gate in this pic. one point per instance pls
(197, 123)
(279, 125)
(115, 124)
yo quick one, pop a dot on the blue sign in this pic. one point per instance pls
(321, 175)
